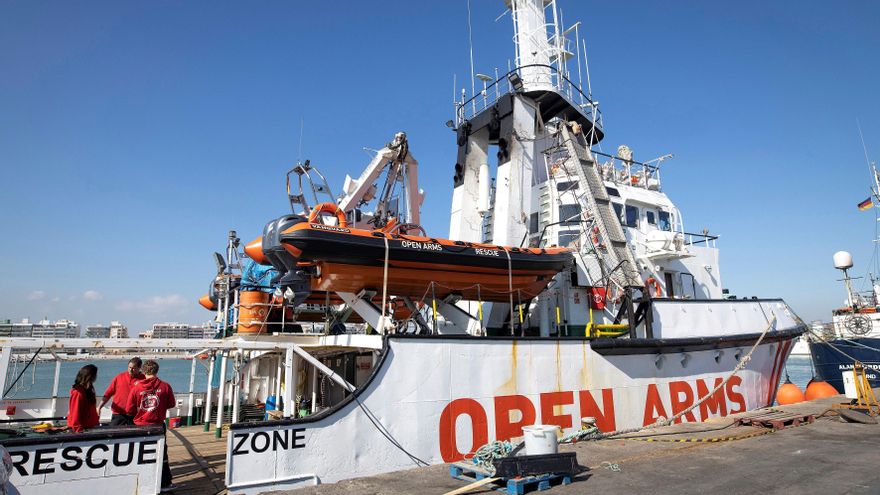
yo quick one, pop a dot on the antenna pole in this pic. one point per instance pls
(471, 47)
(849, 292)
(587, 68)
(301, 126)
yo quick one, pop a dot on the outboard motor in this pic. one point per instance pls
(295, 283)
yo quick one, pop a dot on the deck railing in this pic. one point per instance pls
(466, 109)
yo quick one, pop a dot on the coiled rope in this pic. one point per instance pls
(484, 456)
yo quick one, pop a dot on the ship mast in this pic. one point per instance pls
(518, 129)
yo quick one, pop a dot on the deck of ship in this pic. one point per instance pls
(198, 460)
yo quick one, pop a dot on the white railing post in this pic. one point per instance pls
(221, 394)
(192, 384)
(207, 412)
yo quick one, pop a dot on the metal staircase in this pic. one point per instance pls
(616, 257)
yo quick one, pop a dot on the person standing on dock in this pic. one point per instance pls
(120, 387)
(82, 414)
(148, 402)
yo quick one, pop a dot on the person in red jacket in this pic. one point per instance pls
(120, 388)
(148, 402)
(82, 413)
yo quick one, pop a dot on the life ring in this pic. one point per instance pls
(329, 208)
(658, 292)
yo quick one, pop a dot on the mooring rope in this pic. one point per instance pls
(666, 422)
(484, 456)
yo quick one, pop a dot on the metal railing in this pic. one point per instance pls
(692, 239)
(466, 109)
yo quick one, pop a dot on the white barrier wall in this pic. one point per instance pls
(115, 461)
(682, 319)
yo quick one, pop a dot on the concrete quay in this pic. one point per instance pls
(829, 456)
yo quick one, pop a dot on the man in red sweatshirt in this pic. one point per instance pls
(149, 401)
(120, 387)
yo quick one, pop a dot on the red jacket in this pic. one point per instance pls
(83, 413)
(149, 400)
(120, 387)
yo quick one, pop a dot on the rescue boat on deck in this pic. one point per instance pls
(315, 254)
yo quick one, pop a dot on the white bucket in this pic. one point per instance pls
(541, 439)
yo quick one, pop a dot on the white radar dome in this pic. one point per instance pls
(842, 260)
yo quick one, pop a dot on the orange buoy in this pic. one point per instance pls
(819, 389)
(789, 393)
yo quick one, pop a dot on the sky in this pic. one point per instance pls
(134, 135)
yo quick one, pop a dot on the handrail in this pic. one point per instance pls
(706, 236)
(571, 91)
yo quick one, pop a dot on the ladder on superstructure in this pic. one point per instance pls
(617, 255)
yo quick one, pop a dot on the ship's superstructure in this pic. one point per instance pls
(527, 174)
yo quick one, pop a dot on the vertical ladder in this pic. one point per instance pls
(617, 256)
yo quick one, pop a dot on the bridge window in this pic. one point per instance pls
(566, 186)
(612, 191)
(632, 216)
(650, 217)
(664, 222)
(618, 208)
(569, 214)
(567, 238)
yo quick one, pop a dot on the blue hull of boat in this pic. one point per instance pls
(830, 363)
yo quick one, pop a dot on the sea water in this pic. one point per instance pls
(37, 380)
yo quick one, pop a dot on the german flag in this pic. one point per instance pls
(866, 204)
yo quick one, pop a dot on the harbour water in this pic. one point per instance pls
(38, 382)
(799, 370)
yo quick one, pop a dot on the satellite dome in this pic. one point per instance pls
(842, 260)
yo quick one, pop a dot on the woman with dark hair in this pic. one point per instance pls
(83, 412)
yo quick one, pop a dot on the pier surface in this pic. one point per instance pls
(827, 456)
(198, 460)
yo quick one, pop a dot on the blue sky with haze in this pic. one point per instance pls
(133, 135)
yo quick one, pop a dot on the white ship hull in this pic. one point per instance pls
(442, 398)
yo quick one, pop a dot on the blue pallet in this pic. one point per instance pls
(512, 486)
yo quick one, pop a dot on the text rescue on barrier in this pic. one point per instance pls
(43, 461)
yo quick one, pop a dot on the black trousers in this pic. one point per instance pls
(121, 420)
(166, 468)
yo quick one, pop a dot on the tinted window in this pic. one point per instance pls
(612, 192)
(566, 186)
(533, 223)
(618, 208)
(569, 214)
(632, 216)
(663, 222)
(650, 216)
(567, 238)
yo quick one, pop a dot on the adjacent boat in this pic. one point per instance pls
(340, 258)
(855, 331)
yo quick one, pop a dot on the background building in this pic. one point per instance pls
(115, 330)
(44, 329)
(183, 331)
